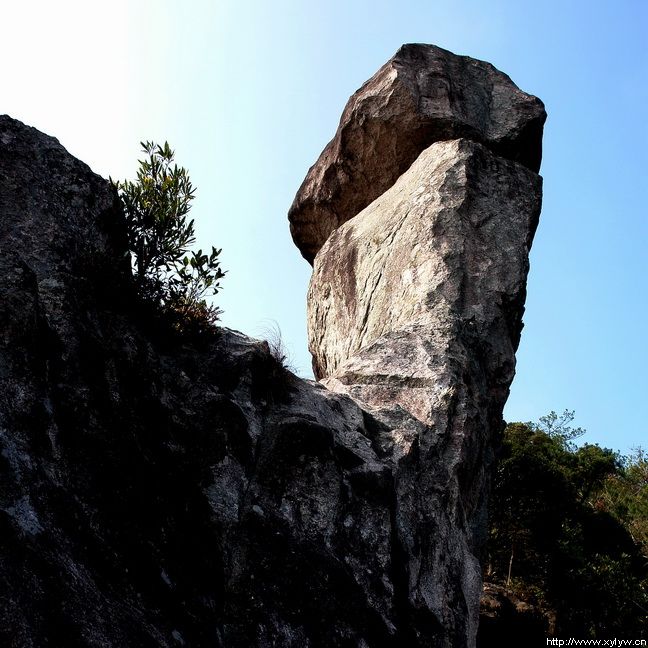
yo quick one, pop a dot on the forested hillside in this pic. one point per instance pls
(569, 529)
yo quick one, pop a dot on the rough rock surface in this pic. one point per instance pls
(416, 302)
(428, 276)
(422, 95)
(157, 492)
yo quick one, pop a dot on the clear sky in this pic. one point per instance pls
(248, 94)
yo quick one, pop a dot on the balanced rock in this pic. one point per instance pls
(421, 239)
(417, 303)
(164, 491)
(422, 95)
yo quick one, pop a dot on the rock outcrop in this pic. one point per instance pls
(160, 492)
(157, 490)
(424, 94)
(418, 290)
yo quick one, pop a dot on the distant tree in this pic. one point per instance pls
(558, 427)
(166, 272)
(530, 491)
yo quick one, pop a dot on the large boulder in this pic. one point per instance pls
(422, 95)
(421, 214)
(158, 491)
(429, 275)
(417, 303)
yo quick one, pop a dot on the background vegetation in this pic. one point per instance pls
(569, 529)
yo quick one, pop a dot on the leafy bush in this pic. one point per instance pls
(166, 272)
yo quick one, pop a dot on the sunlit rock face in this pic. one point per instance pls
(420, 215)
(428, 276)
(424, 94)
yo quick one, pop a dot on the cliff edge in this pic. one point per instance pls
(158, 491)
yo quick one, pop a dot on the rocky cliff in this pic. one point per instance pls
(159, 491)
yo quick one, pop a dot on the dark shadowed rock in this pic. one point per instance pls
(424, 94)
(155, 493)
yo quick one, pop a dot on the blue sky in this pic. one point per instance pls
(248, 93)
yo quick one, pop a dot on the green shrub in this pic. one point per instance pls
(166, 272)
